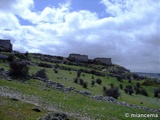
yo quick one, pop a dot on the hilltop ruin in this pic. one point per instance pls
(105, 61)
(78, 58)
(84, 58)
(5, 45)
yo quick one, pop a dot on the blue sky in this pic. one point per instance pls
(125, 30)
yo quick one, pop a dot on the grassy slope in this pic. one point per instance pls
(75, 104)
(18, 110)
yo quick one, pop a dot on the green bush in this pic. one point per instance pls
(156, 92)
(81, 81)
(121, 86)
(129, 90)
(19, 70)
(93, 82)
(112, 92)
(85, 85)
(42, 74)
(99, 81)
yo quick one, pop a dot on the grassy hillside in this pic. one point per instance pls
(34, 93)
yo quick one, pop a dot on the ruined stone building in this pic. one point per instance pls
(5, 45)
(78, 58)
(106, 61)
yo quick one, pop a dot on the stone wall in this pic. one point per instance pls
(106, 61)
(78, 58)
(6, 45)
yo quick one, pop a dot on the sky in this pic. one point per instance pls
(128, 31)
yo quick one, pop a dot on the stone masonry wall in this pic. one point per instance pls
(78, 57)
(106, 61)
(6, 44)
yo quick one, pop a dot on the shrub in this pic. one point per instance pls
(21, 56)
(78, 73)
(150, 82)
(76, 80)
(92, 77)
(19, 70)
(44, 65)
(85, 84)
(138, 84)
(26, 54)
(55, 71)
(93, 82)
(121, 86)
(129, 90)
(104, 88)
(137, 89)
(129, 80)
(56, 66)
(112, 92)
(144, 92)
(156, 92)
(99, 81)
(112, 85)
(11, 58)
(81, 81)
(42, 74)
(119, 78)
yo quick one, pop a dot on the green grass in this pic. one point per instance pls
(76, 105)
(69, 102)
(18, 110)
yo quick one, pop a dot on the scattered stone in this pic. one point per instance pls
(71, 88)
(85, 93)
(1, 69)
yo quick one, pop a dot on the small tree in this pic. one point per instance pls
(112, 85)
(78, 73)
(99, 81)
(85, 84)
(26, 54)
(137, 89)
(19, 70)
(129, 80)
(76, 80)
(156, 92)
(129, 90)
(11, 58)
(144, 92)
(138, 84)
(104, 88)
(112, 92)
(119, 78)
(42, 74)
(93, 82)
(121, 86)
(92, 77)
(55, 71)
(81, 81)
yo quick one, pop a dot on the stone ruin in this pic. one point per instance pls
(84, 58)
(106, 61)
(5, 45)
(78, 58)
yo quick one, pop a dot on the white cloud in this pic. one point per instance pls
(130, 36)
